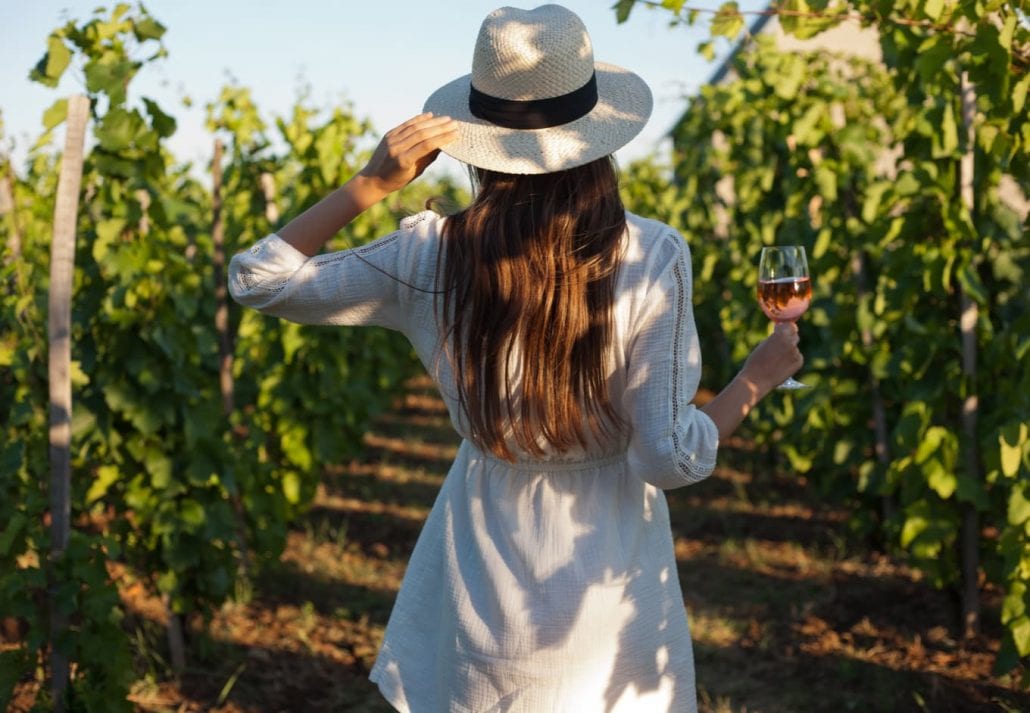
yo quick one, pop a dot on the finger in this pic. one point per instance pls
(425, 141)
(423, 122)
(435, 139)
(424, 162)
(412, 121)
(405, 128)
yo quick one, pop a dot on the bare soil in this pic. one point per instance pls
(787, 611)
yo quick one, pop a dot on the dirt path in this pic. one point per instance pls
(785, 615)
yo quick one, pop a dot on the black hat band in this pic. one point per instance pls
(534, 113)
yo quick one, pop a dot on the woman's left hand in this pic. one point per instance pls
(407, 150)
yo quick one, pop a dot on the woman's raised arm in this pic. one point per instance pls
(401, 157)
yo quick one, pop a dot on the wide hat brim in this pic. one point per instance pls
(623, 107)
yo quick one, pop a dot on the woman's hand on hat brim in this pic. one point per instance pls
(401, 157)
(406, 151)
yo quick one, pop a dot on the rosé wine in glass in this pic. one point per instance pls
(784, 288)
(784, 299)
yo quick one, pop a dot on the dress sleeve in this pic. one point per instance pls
(673, 443)
(350, 287)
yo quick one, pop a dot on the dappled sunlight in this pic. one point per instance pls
(767, 576)
(339, 504)
(385, 473)
(782, 618)
(406, 448)
(333, 563)
(893, 649)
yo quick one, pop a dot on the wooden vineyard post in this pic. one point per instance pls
(268, 190)
(226, 349)
(7, 205)
(969, 547)
(176, 641)
(882, 443)
(59, 310)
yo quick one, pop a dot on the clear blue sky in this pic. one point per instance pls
(385, 57)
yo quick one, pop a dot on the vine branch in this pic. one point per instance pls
(1023, 56)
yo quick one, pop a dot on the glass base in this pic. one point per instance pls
(792, 384)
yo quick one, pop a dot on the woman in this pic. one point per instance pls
(560, 331)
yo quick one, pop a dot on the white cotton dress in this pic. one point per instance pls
(548, 585)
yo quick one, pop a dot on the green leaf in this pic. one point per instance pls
(800, 20)
(105, 478)
(940, 479)
(192, 514)
(159, 466)
(49, 69)
(84, 423)
(292, 341)
(622, 10)
(295, 448)
(108, 231)
(915, 524)
(826, 180)
(970, 280)
(873, 196)
(1019, 93)
(1020, 629)
(822, 243)
(971, 490)
(992, 61)
(7, 351)
(11, 530)
(148, 28)
(119, 129)
(1011, 440)
(933, 9)
(1014, 604)
(907, 184)
(163, 124)
(110, 75)
(945, 139)
(799, 459)
(707, 50)
(728, 22)
(167, 582)
(291, 487)
(934, 437)
(808, 129)
(1019, 506)
(57, 113)
(1007, 31)
(931, 57)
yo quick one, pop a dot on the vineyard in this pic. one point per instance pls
(206, 444)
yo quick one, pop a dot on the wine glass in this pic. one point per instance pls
(784, 288)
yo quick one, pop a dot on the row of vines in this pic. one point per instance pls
(197, 428)
(906, 181)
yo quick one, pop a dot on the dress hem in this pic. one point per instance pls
(389, 687)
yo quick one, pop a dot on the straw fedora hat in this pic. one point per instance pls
(536, 102)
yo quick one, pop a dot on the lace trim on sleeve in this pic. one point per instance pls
(692, 468)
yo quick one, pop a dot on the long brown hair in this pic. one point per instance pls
(527, 289)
